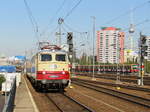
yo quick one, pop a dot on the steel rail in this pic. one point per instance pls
(113, 77)
(54, 103)
(71, 99)
(128, 97)
(114, 85)
(84, 106)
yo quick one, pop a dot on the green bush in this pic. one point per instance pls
(2, 79)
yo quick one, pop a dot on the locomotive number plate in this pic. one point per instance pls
(53, 76)
(53, 66)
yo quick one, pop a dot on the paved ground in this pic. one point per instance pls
(2, 102)
(23, 100)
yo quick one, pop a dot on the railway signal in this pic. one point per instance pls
(70, 42)
(143, 54)
(143, 46)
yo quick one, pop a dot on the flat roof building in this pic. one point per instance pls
(110, 45)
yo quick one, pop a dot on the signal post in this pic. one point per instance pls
(143, 54)
(70, 44)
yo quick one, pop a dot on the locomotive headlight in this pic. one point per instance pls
(43, 81)
(64, 81)
(63, 72)
(43, 72)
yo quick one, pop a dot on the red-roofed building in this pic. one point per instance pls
(110, 45)
(109, 28)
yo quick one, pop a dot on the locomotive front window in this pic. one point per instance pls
(60, 57)
(46, 57)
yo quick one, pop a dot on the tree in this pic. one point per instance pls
(2, 79)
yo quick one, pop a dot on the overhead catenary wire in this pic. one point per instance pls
(64, 29)
(53, 31)
(32, 19)
(71, 29)
(53, 18)
(140, 23)
(30, 14)
(127, 12)
(70, 12)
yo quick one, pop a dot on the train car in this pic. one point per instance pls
(134, 68)
(121, 68)
(50, 68)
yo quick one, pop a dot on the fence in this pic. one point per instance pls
(9, 104)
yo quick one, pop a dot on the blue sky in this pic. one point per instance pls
(16, 31)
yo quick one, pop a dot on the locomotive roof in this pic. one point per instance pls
(52, 51)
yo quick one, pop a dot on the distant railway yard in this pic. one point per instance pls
(131, 78)
(94, 95)
(50, 83)
(87, 92)
(75, 56)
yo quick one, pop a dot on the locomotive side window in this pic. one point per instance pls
(46, 57)
(60, 57)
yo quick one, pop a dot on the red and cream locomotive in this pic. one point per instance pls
(50, 68)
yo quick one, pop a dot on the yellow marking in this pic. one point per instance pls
(142, 73)
(118, 88)
(71, 87)
(93, 79)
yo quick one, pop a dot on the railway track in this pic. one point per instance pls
(55, 101)
(129, 79)
(128, 97)
(65, 103)
(115, 85)
(131, 76)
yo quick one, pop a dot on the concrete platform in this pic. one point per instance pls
(2, 102)
(24, 101)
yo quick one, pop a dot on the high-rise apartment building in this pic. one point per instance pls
(110, 45)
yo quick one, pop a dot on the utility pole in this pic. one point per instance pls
(93, 17)
(118, 59)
